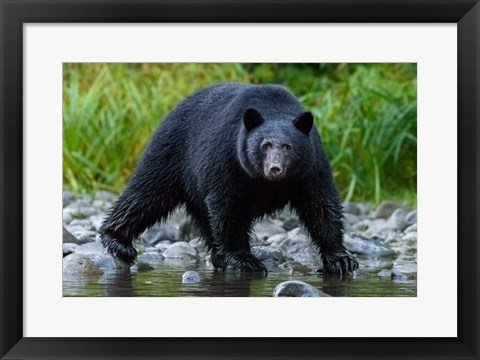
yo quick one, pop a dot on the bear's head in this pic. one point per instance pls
(276, 148)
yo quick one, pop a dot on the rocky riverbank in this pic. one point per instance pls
(383, 238)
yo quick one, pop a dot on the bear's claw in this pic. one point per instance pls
(244, 262)
(124, 252)
(339, 264)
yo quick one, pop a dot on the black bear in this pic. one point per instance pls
(232, 153)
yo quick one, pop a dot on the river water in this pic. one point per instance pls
(166, 280)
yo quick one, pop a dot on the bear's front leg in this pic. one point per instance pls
(319, 209)
(230, 229)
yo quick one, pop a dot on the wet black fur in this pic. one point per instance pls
(204, 156)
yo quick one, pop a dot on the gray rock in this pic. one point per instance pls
(69, 248)
(97, 221)
(69, 238)
(150, 257)
(296, 288)
(396, 221)
(198, 244)
(191, 277)
(159, 232)
(86, 236)
(411, 228)
(386, 209)
(350, 219)
(97, 253)
(411, 236)
(79, 264)
(351, 208)
(362, 225)
(91, 249)
(266, 228)
(304, 253)
(364, 208)
(270, 257)
(377, 227)
(163, 245)
(180, 250)
(406, 270)
(85, 211)
(411, 217)
(295, 268)
(84, 224)
(280, 241)
(360, 245)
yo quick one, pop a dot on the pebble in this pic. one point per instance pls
(69, 248)
(151, 257)
(79, 264)
(396, 221)
(404, 269)
(295, 288)
(68, 237)
(360, 245)
(266, 228)
(385, 273)
(351, 208)
(386, 209)
(180, 250)
(411, 217)
(191, 277)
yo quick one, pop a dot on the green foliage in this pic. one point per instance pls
(366, 115)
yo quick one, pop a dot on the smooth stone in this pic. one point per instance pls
(198, 244)
(69, 248)
(271, 258)
(97, 221)
(163, 245)
(385, 273)
(84, 224)
(360, 245)
(386, 209)
(85, 211)
(180, 250)
(304, 253)
(280, 241)
(295, 288)
(92, 248)
(411, 217)
(79, 264)
(159, 232)
(410, 236)
(362, 225)
(396, 221)
(266, 228)
(151, 257)
(364, 208)
(411, 228)
(191, 277)
(404, 269)
(86, 236)
(350, 219)
(351, 208)
(98, 254)
(295, 268)
(377, 227)
(68, 237)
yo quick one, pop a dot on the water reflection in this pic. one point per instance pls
(165, 280)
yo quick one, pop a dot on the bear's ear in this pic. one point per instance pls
(252, 118)
(304, 122)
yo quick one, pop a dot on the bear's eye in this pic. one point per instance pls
(267, 145)
(287, 147)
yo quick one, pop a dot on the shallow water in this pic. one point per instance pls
(166, 280)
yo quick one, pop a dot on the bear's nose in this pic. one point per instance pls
(275, 170)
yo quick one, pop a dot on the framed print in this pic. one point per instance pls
(68, 68)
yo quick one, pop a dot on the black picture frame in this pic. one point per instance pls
(15, 13)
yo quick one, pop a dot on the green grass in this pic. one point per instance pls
(366, 115)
